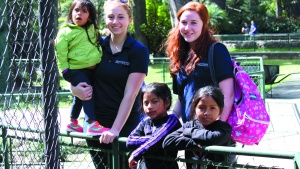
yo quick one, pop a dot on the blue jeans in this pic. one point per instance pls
(75, 77)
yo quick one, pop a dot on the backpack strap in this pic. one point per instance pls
(211, 64)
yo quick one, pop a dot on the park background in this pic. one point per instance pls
(153, 19)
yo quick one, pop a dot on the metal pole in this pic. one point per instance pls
(4, 56)
(115, 154)
(297, 161)
(254, 43)
(5, 148)
(289, 40)
(163, 67)
(48, 15)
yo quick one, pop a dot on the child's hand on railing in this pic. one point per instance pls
(131, 162)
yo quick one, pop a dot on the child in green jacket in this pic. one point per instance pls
(78, 53)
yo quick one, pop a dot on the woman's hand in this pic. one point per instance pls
(131, 162)
(83, 91)
(108, 136)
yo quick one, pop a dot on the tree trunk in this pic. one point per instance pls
(139, 15)
(221, 3)
(174, 6)
(278, 8)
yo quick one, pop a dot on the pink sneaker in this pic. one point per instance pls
(96, 129)
(74, 126)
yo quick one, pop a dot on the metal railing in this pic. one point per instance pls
(266, 40)
(10, 153)
(283, 37)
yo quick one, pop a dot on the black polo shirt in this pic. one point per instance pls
(110, 77)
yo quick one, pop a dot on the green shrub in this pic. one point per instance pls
(158, 25)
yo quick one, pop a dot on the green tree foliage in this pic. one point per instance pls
(241, 11)
(267, 21)
(158, 25)
(230, 21)
(291, 8)
(282, 24)
(264, 15)
(218, 17)
(63, 9)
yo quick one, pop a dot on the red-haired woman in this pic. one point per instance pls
(187, 47)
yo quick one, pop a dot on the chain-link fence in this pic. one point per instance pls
(28, 84)
(30, 119)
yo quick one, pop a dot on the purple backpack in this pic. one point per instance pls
(249, 118)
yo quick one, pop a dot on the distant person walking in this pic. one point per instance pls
(245, 29)
(253, 30)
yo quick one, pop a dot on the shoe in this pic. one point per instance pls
(96, 129)
(74, 126)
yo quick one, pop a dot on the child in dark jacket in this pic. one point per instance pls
(204, 129)
(146, 139)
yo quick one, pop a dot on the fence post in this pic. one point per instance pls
(297, 160)
(289, 40)
(5, 148)
(4, 57)
(47, 22)
(254, 43)
(115, 154)
(163, 66)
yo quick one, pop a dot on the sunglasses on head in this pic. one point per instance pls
(122, 1)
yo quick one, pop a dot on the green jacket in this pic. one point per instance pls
(73, 48)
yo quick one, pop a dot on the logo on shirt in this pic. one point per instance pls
(122, 62)
(202, 64)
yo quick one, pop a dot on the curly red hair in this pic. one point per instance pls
(178, 49)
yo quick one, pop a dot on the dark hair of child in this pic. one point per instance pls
(161, 90)
(211, 91)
